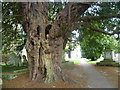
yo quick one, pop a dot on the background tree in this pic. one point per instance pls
(93, 44)
(12, 31)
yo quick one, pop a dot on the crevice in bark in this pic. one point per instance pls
(47, 30)
(39, 56)
(32, 42)
(59, 25)
(31, 67)
(45, 72)
(38, 30)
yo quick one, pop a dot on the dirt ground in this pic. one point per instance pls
(72, 71)
(24, 82)
(110, 73)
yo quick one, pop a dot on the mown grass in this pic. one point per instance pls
(3, 64)
(93, 62)
(76, 61)
(9, 68)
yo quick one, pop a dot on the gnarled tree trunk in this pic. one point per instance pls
(44, 50)
(45, 41)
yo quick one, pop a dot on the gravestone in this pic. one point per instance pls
(109, 55)
(117, 57)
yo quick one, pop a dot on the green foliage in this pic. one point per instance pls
(53, 9)
(15, 59)
(5, 58)
(12, 31)
(93, 44)
(118, 51)
(25, 63)
(64, 26)
(70, 46)
(72, 41)
(105, 8)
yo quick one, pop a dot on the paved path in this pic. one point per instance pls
(93, 77)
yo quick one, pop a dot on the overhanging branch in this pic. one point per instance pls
(97, 30)
(99, 17)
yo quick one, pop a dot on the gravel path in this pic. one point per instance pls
(93, 77)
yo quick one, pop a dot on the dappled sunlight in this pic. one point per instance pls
(83, 62)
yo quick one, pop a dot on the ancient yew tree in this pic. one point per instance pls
(46, 40)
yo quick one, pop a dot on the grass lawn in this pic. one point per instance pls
(10, 68)
(14, 69)
(93, 62)
(76, 61)
(3, 64)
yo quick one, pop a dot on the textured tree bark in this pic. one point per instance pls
(44, 43)
(44, 52)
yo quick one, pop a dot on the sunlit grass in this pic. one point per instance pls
(3, 64)
(93, 62)
(76, 61)
(12, 68)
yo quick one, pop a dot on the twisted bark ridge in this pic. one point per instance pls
(45, 41)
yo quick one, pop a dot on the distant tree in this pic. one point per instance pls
(93, 44)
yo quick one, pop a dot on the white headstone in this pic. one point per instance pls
(108, 54)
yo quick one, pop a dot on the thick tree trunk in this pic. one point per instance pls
(44, 41)
(44, 52)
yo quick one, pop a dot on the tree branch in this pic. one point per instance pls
(67, 17)
(97, 30)
(99, 17)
